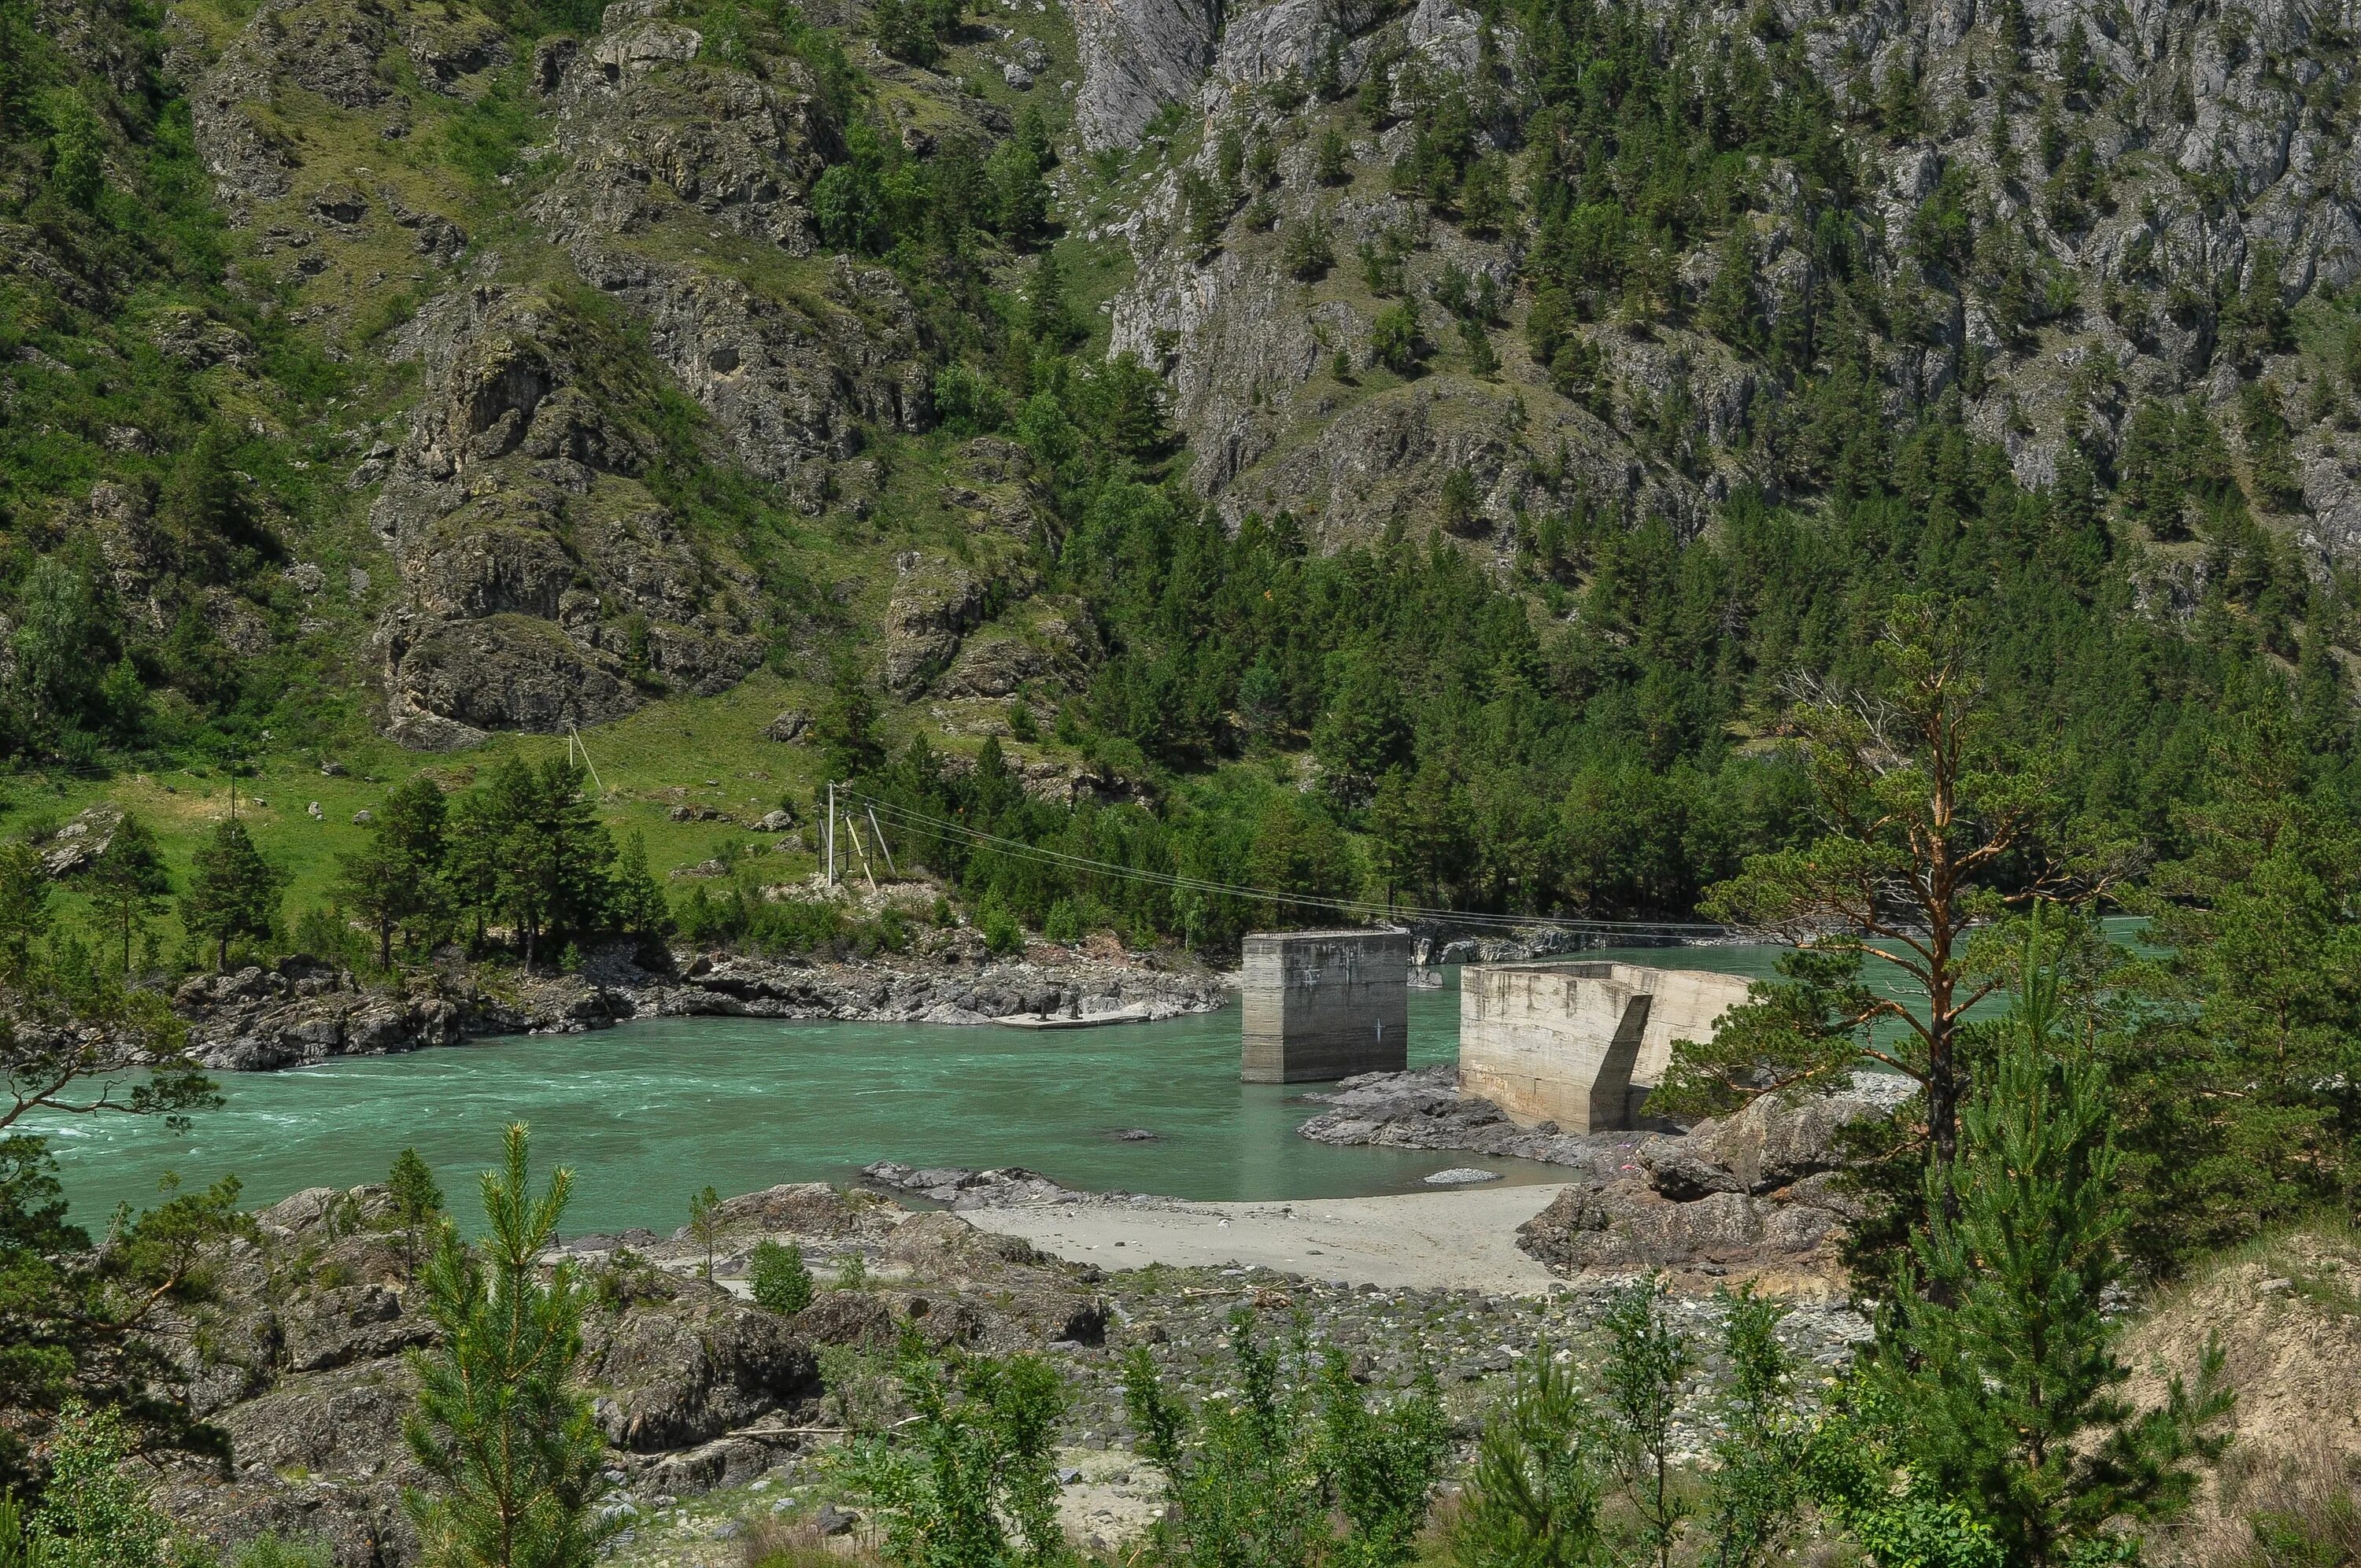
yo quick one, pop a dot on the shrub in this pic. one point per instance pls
(1001, 934)
(1306, 252)
(971, 1477)
(1394, 339)
(782, 1282)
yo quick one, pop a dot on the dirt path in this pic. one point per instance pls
(1463, 1241)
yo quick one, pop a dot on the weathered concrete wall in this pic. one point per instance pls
(1324, 1005)
(1580, 1043)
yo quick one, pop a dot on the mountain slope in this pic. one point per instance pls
(1560, 377)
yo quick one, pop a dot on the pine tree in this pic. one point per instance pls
(1926, 808)
(77, 154)
(398, 879)
(1996, 1355)
(127, 880)
(1533, 1495)
(845, 728)
(417, 1205)
(635, 900)
(233, 891)
(24, 907)
(1648, 1357)
(550, 854)
(508, 1440)
(1754, 1493)
(705, 1224)
(1332, 161)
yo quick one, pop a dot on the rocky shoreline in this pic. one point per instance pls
(301, 1011)
(1754, 1194)
(300, 1356)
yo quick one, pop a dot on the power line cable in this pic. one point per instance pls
(902, 816)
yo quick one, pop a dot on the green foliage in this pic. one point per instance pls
(76, 1324)
(704, 1221)
(93, 1512)
(2269, 449)
(417, 1206)
(1241, 1481)
(397, 882)
(1395, 341)
(782, 1283)
(1648, 1360)
(1332, 160)
(2231, 1080)
(1379, 1458)
(1855, 1475)
(1248, 1477)
(25, 891)
(1924, 802)
(1996, 1355)
(499, 1427)
(234, 891)
(972, 1481)
(1002, 936)
(915, 31)
(845, 728)
(77, 153)
(1754, 1492)
(1306, 251)
(1540, 1466)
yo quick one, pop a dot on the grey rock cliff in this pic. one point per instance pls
(1137, 56)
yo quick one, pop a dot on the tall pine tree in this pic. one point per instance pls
(1996, 1355)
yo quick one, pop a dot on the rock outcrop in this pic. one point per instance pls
(302, 1011)
(546, 586)
(1753, 1193)
(1137, 57)
(300, 1354)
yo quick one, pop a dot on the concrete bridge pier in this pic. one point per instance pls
(1324, 1005)
(1580, 1043)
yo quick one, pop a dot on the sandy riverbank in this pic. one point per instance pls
(1456, 1241)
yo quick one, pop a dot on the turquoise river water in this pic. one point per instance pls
(647, 1112)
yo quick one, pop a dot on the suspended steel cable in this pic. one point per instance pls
(904, 818)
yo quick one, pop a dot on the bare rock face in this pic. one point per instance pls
(306, 1344)
(933, 604)
(1137, 56)
(663, 143)
(544, 585)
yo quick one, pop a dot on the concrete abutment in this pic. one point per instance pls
(1580, 1043)
(1324, 1005)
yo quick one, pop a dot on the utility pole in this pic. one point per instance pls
(831, 833)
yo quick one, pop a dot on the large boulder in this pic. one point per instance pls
(1755, 1193)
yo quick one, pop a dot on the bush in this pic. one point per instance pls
(971, 1477)
(1062, 925)
(1306, 252)
(1001, 934)
(782, 1283)
(1393, 338)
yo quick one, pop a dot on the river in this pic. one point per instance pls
(649, 1112)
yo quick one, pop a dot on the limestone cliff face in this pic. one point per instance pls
(1137, 57)
(544, 586)
(2221, 153)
